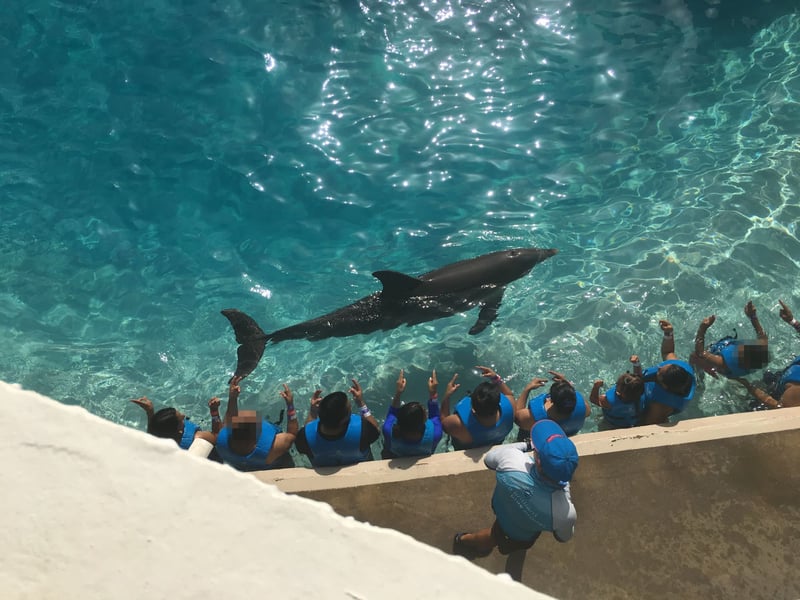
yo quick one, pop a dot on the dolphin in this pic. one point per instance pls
(404, 300)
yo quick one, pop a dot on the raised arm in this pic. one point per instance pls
(433, 398)
(750, 311)
(786, 314)
(700, 336)
(147, 406)
(668, 341)
(213, 410)
(283, 441)
(358, 396)
(313, 408)
(637, 365)
(232, 409)
(523, 415)
(595, 397)
(452, 386)
(492, 376)
(399, 388)
(535, 383)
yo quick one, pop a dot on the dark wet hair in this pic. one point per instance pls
(165, 424)
(676, 380)
(563, 396)
(486, 399)
(754, 356)
(411, 418)
(630, 388)
(333, 409)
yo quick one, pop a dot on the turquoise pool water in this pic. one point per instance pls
(161, 161)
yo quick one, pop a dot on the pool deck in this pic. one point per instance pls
(701, 508)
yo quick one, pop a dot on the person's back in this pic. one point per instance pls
(621, 404)
(485, 418)
(669, 386)
(247, 442)
(335, 436)
(531, 493)
(562, 404)
(409, 430)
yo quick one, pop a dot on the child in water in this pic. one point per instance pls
(622, 403)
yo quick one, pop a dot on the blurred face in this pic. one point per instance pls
(753, 356)
(244, 418)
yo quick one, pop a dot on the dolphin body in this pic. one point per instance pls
(404, 299)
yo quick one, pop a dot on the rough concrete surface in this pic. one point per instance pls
(684, 516)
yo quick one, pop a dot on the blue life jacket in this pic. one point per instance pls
(621, 414)
(189, 429)
(424, 447)
(570, 425)
(257, 459)
(790, 375)
(728, 349)
(484, 436)
(343, 451)
(655, 393)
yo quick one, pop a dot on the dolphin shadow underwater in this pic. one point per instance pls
(404, 300)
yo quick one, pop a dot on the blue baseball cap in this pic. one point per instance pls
(557, 453)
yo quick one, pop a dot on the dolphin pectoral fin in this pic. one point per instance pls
(488, 312)
(397, 285)
(251, 339)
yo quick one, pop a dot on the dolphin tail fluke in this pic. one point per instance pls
(251, 339)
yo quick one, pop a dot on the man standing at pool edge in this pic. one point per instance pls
(531, 494)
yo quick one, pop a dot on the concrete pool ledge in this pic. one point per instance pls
(702, 508)
(589, 444)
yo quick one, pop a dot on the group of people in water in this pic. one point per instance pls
(334, 434)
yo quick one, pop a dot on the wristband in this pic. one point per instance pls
(215, 418)
(794, 323)
(668, 336)
(638, 363)
(364, 410)
(497, 379)
(435, 396)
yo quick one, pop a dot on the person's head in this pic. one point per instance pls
(753, 355)
(485, 399)
(630, 387)
(563, 397)
(674, 379)
(244, 426)
(334, 409)
(411, 418)
(555, 454)
(167, 423)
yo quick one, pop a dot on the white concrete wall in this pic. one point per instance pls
(94, 510)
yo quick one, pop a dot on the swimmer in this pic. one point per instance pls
(408, 430)
(170, 423)
(729, 356)
(622, 403)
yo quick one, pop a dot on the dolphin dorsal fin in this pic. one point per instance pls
(396, 284)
